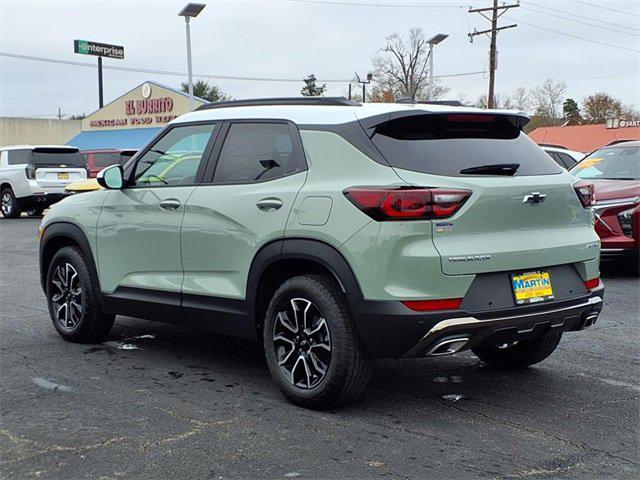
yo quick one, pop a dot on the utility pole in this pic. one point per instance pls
(496, 13)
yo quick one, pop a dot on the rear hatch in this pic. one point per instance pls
(57, 166)
(523, 212)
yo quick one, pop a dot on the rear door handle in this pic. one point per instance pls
(269, 204)
(169, 204)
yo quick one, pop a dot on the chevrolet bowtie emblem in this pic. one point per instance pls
(534, 198)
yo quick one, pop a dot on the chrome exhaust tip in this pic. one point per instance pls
(589, 320)
(448, 347)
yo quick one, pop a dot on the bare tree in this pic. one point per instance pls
(402, 67)
(499, 101)
(547, 100)
(521, 99)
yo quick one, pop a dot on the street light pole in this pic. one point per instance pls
(191, 10)
(190, 72)
(433, 41)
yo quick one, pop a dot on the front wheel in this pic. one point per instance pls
(72, 297)
(512, 356)
(9, 204)
(311, 346)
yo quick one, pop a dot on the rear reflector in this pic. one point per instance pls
(586, 193)
(591, 284)
(399, 203)
(431, 305)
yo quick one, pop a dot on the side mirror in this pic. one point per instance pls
(111, 177)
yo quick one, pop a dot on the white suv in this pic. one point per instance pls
(33, 177)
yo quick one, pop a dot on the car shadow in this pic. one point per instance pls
(196, 355)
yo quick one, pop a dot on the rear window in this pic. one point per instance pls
(447, 144)
(105, 159)
(51, 156)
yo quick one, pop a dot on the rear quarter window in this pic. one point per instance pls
(447, 144)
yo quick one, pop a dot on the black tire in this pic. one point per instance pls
(347, 374)
(9, 204)
(34, 212)
(85, 325)
(520, 355)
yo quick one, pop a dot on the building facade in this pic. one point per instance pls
(131, 120)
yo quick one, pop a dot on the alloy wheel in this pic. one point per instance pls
(6, 204)
(302, 343)
(66, 296)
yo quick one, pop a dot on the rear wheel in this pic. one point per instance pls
(72, 299)
(311, 346)
(34, 212)
(9, 204)
(518, 354)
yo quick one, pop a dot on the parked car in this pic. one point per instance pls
(333, 233)
(615, 173)
(98, 159)
(564, 157)
(33, 177)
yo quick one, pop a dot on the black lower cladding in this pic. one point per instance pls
(221, 315)
(389, 329)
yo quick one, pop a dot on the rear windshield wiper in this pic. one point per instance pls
(492, 169)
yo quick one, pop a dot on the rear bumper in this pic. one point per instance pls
(41, 200)
(390, 330)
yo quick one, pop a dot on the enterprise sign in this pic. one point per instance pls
(86, 47)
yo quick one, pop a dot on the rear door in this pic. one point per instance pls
(530, 219)
(56, 167)
(253, 181)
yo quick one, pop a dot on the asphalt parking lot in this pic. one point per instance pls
(155, 401)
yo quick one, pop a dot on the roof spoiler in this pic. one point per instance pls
(450, 103)
(283, 101)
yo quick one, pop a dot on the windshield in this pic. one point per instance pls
(611, 163)
(454, 143)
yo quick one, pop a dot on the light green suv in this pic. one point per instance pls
(333, 233)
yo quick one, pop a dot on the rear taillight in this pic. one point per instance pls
(30, 172)
(586, 193)
(431, 305)
(399, 203)
(591, 284)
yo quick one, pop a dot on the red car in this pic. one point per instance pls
(615, 173)
(99, 159)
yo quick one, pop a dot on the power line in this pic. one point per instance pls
(582, 16)
(555, 15)
(384, 5)
(607, 8)
(576, 36)
(199, 75)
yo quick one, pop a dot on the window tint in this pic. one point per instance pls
(175, 158)
(567, 159)
(256, 152)
(105, 159)
(447, 144)
(55, 156)
(18, 157)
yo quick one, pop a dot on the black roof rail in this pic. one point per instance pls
(451, 103)
(283, 101)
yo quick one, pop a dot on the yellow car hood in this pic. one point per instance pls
(87, 185)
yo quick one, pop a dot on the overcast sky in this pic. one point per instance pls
(293, 38)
